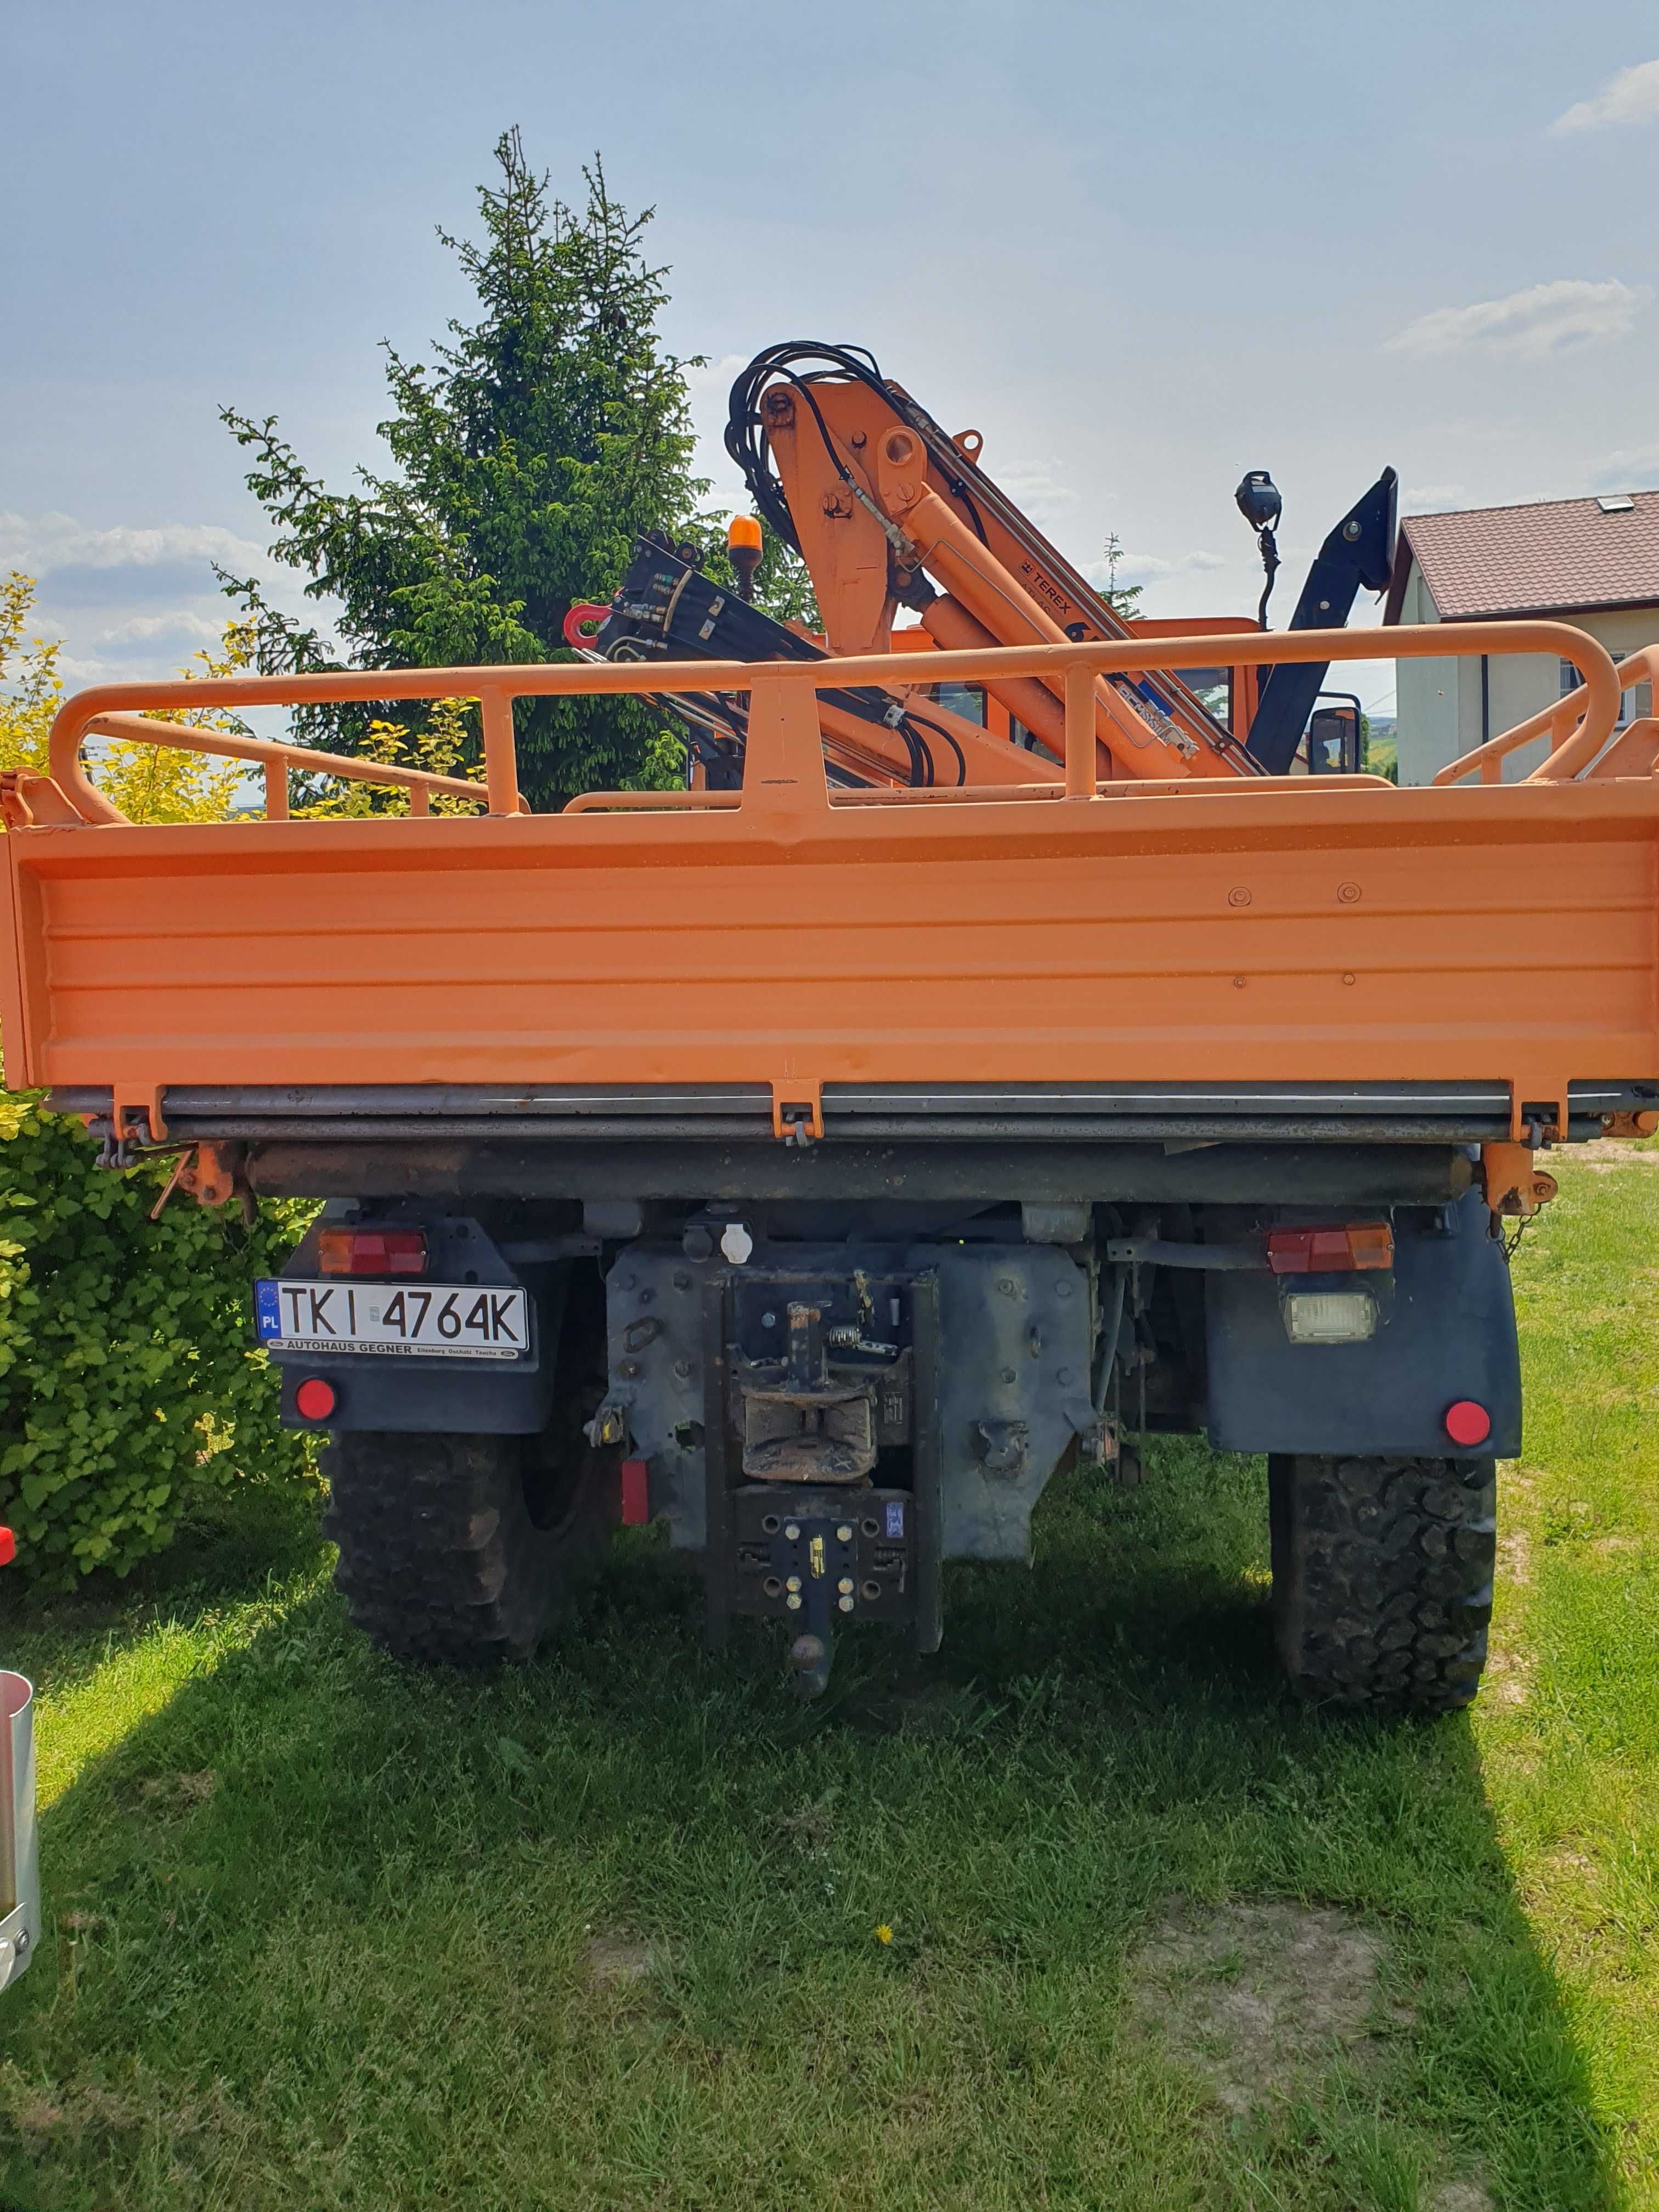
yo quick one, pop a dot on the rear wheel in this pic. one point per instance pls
(471, 1549)
(1383, 1574)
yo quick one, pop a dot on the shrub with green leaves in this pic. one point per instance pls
(129, 1378)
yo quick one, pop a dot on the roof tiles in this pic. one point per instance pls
(1542, 558)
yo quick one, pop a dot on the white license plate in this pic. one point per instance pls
(443, 1320)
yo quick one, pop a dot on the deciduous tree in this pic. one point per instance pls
(149, 783)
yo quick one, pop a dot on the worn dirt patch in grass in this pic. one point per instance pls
(1460, 2196)
(1260, 2000)
(1604, 1153)
(613, 1959)
(179, 1793)
(1508, 1676)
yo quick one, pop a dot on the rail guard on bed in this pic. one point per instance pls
(783, 732)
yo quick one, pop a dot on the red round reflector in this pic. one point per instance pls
(1467, 1423)
(8, 1547)
(314, 1399)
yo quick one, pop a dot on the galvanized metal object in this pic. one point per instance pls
(20, 1868)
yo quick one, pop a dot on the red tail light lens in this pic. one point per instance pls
(371, 1251)
(635, 1493)
(314, 1399)
(1359, 1244)
(8, 1547)
(1467, 1423)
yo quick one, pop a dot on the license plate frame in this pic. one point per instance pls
(312, 1318)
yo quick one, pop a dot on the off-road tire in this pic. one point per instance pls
(441, 1558)
(1383, 1574)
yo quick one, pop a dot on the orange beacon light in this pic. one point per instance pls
(743, 544)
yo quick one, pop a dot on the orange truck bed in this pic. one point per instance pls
(1231, 934)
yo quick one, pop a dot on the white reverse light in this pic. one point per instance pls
(1328, 1316)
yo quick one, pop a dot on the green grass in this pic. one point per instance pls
(325, 1933)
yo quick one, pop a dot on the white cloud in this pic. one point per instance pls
(1631, 96)
(132, 601)
(1541, 320)
(1422, 496)
(38, 543)
(717, 374)
(78, 671)
(1632, 468)
(1041, 488)
(181, 624)
(1152, 568)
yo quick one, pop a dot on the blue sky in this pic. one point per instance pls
(1142, 250)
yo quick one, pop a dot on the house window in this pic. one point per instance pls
(1634, 705)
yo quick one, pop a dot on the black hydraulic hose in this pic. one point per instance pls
(1270, 562)
(928, 723)
(747, 444)
(747, 440)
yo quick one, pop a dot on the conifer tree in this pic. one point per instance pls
(542, 439)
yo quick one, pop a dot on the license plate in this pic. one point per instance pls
(441, 1320)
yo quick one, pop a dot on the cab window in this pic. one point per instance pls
(967, 699)
(1213, 689)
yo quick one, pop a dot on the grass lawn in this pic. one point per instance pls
(604, 1931)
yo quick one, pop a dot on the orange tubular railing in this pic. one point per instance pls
(1574, 731)
(278, 759)
(782, 721)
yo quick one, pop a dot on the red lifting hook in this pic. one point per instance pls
(582, 623)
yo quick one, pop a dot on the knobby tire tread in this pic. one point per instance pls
(439, 1559)
(1383, 1575)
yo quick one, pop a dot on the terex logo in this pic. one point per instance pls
(1044, 587)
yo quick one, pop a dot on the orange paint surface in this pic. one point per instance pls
(1242, 929)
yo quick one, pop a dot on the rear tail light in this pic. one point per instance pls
(635, 1493)
(8, 1547)
(314, 1399)
(1328, 1316)
(1340, 1251)
(1467, 1423)
(370, 1252)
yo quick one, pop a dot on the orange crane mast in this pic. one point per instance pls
(881, 504)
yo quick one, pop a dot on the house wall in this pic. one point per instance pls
(1438, 712)
(1427, 717)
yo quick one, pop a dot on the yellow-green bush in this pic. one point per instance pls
(129, 1378)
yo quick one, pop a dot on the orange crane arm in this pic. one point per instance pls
(880, 500)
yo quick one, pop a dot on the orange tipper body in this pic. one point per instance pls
(1219, 930)
(818, 1169)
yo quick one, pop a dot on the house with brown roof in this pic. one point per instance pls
(1594, 562)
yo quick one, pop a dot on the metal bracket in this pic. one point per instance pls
(215, 1175)
(144, 1098)
(1511, 1185)
(798, 1112)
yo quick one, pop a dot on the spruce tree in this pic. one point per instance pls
(540, 442)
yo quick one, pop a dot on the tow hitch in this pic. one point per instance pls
(797, 1530)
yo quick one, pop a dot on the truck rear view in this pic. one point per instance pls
(816, 1165)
